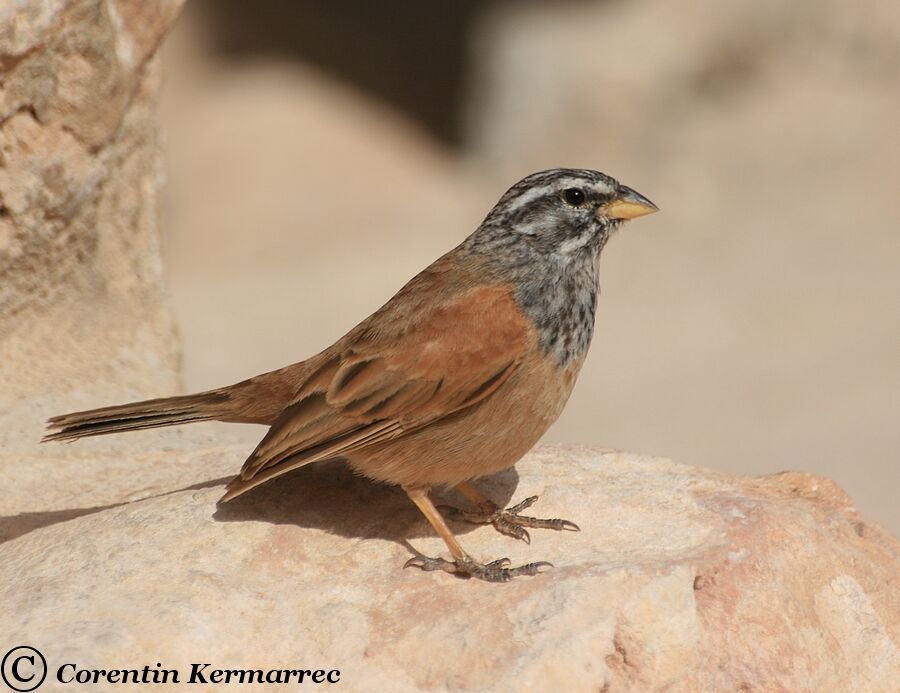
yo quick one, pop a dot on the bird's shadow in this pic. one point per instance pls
(15, 526)
(327, 496)
(333, 498)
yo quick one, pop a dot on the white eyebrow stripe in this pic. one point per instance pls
(530, 196)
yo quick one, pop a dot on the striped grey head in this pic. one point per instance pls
(544, 236)
(565, 211)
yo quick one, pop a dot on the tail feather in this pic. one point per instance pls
(153, 413)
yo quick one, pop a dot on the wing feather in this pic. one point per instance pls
(378, 386)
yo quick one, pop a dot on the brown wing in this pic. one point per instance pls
(393, 374)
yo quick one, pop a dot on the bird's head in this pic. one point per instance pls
(565, 211)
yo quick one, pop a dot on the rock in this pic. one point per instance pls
(52, 485)
(113, 553)
(84, 319)
(82, 308)
(628, 81)
(681, 580)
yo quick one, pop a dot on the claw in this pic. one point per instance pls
(503, 525)
(527, 503)
(429, 564)
(499, 563)
(508, 521)
(495, 571)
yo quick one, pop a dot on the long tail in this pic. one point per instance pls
(258, 400)
(151, 413)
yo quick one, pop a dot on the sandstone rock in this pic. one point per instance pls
(52, 485)
(681, 580)
(629, 79)
(113, 553)
(83, 315)
(82, 310)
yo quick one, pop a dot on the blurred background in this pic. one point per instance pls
(320, 154)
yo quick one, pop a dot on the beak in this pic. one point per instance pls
(628, 204)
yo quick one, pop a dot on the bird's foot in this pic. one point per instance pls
(495, 571)
(508, 521)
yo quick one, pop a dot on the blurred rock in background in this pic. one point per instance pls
(83, 313)
(319, 157)
(412, 55)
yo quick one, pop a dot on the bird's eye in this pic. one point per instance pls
(573, 196)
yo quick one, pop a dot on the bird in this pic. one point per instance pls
(455, 378)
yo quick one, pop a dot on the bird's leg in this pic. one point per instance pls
(507, 521)
(462, 563)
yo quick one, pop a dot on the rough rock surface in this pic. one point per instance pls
(681, 580)
(114, 554)
(81, 294)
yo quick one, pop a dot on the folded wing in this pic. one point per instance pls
(380, 384)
